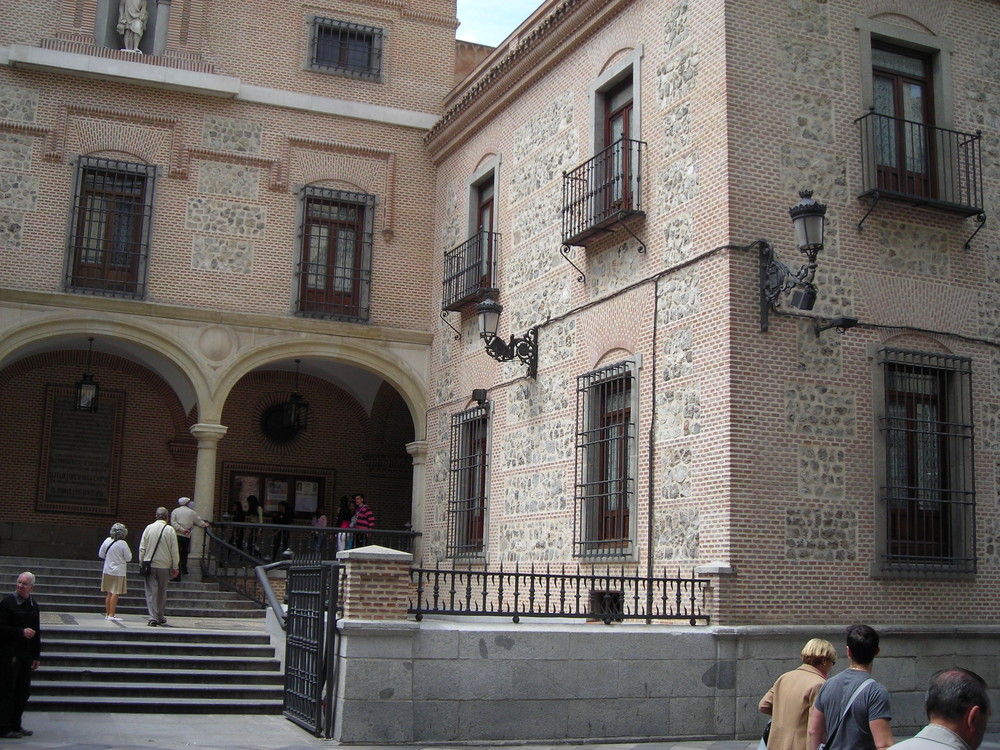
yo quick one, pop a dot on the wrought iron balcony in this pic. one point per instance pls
(600, 194)
(469, 269)
(921, 164)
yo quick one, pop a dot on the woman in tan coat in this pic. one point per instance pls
(792, 695)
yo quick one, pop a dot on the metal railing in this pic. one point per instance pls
(233, 551)
(921, 163)
(602, 191)
(470, 268)
(567, 593)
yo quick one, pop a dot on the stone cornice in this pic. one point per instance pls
(514, 66)
(86, 305)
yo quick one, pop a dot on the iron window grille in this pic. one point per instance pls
(605, 452)
(335, 265)
(929, 494)
(468, 490)
(348, 49)
(111, 226)
(469, 269)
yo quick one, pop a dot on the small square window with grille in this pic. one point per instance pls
(929, 495)
(605, 453)
(336, 259)
(109, 237)
(348, 49)
(468, 489)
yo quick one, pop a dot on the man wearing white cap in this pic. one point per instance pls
(184, 519)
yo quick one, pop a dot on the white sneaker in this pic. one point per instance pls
(115, 619)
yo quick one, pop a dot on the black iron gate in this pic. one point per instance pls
(311, 646)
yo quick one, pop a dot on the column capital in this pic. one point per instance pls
(209, 432)
(417, 450)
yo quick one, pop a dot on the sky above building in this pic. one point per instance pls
(491, 21)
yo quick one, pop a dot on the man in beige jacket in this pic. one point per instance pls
(159, 546)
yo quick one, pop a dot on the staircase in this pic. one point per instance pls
(212, 657)
(75, 586)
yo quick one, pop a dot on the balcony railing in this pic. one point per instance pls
(602, 192)
(921, 164)
(469, 269)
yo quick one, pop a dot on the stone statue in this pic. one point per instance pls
(132, 17)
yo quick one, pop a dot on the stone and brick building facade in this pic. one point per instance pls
(812, 475)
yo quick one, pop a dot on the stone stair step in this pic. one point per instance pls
(222, 650)
(145, 705)
(170, 691)
(74, 674)
(83, 659)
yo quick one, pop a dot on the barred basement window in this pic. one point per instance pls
(468, 486)
(109, 240)
(929, 497)
(605, 453)
(335, 266)
(348, 49)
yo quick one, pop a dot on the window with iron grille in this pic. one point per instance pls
(335, 266)
(468, 487)
(605, 455)
(927, 439)
(108, 250)
(346, 48)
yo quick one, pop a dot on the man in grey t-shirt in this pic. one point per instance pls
(865, 726)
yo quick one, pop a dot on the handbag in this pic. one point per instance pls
(762, 745)
(146, 566)
(847, 708)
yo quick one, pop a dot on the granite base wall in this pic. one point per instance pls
(476, 680)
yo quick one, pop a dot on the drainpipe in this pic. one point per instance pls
(650, 457)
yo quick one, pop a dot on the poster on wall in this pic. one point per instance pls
(306, 497)
(276, 491)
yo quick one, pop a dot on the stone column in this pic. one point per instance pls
(418, 452)
(208, 436)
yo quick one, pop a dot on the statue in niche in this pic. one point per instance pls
(132, 17)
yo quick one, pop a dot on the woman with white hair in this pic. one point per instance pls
(116, 555)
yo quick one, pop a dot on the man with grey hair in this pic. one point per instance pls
(20, 649)
(958, 708)
(158, 546)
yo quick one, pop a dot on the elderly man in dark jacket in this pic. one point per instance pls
(20, 649)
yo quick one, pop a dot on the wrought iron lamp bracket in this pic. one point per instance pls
(776, 278)
(523, 348)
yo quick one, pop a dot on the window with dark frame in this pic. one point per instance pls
(904, 148)
(929, 494)
(111, 225)
(605, 449)
(345, 48)
(616, 187)
(335, 265)
(468, 486)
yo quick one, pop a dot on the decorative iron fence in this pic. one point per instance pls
(602, 191)
(921, 163)
(608, 596)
